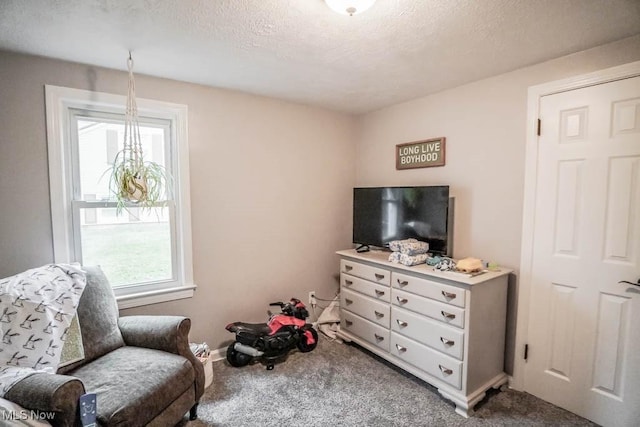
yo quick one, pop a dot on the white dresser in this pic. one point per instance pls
(443, 327)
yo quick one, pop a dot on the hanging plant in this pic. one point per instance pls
(143, 184)
(134, 180)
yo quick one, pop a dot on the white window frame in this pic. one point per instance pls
(61, 102)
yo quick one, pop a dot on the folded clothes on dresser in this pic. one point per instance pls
(409, 247)
(408, 260)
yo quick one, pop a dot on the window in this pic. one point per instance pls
(146, 254)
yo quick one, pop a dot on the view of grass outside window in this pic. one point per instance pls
(134, 246)
(134, 252)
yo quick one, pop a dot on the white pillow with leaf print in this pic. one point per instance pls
(36, 310)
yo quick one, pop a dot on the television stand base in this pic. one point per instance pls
(362, 248)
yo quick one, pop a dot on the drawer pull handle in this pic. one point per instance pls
(449, 316)
(402, 323)
(378, 314)
(348, 322)
(348, 301)
(403, 282)
(402, 300)
(379, 276)
(446, 341)
(348, 267)
(378, 337)
(379, 293)
(445, 371)
(449, 295)
(348, 282)
(400, 348)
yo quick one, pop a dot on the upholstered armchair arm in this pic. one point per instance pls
(49, 392)
(166, 333)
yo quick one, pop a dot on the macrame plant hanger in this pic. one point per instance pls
(131, 125)
(134, 180)
(133, 157)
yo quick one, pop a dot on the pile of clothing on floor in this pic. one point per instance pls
(409, 252)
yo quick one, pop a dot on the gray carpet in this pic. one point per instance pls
(344, 385)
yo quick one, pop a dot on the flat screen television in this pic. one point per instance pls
(383, 214)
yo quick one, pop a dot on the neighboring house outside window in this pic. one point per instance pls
(145, 253)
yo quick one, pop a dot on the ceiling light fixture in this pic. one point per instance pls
(349, 7)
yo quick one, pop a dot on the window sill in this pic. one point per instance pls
(155, 297)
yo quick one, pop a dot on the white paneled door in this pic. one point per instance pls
(584, 326)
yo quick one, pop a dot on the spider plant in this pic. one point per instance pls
(138, 183)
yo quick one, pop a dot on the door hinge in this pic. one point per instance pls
(526, 351)
(539, 126)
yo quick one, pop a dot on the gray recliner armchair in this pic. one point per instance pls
(140, 367)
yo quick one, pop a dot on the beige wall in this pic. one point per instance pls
(270, 189)
(271, 181)
(485, 126)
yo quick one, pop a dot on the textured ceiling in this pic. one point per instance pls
(302, 51)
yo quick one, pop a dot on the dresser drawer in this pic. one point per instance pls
(374, 334)
(379, 292)
(376, 311)
(375, 274)
(444, 338)
(429, 288)
(436, 310)
(435, 364)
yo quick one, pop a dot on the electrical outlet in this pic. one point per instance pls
(312, 298)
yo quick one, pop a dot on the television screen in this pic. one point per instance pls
(383, 214)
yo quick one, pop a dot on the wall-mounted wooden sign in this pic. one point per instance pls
(420, 154)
